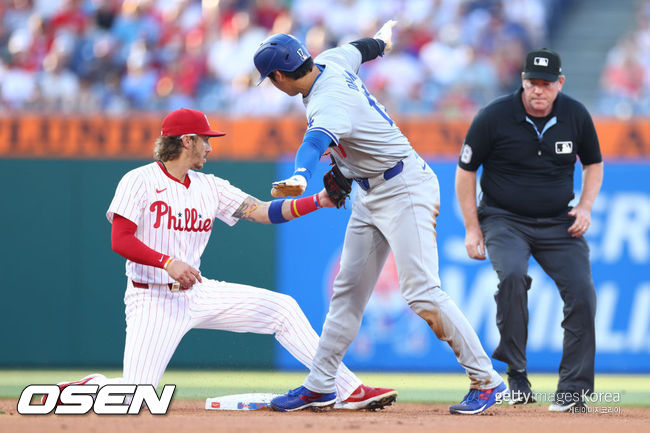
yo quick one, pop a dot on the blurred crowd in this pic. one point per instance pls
(115, 56)
(625, 81)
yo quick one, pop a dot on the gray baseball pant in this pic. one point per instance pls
(398, 215)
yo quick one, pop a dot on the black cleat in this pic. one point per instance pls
(520, 392)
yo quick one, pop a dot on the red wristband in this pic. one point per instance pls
(303, 206)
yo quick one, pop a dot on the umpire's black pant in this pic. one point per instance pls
(510, 239)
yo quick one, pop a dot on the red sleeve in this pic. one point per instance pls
(125, 243)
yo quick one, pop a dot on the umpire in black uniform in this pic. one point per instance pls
(527, 143)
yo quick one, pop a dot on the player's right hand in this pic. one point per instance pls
(291, 187)
(324, 199)
(183, 273)
(385, 33)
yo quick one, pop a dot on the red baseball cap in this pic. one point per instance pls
(187, 121)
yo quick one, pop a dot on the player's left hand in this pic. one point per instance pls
(183, 273)
(291, 187)
(385, 33)
(582, 222)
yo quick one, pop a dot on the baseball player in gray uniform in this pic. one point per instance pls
(395, 209)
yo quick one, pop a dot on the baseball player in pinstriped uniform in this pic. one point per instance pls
(395, 209)
(162, 216)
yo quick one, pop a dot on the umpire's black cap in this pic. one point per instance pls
(543, 64)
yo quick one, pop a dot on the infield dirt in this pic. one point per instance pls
(189, 416)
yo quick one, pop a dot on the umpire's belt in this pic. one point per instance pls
(174, 287)
(370, 182)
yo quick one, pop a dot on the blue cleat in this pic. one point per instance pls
(478, 400)
(302, 398)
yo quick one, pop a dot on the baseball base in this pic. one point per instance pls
(251, 401)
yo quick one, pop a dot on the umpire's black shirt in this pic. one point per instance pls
(528, 169)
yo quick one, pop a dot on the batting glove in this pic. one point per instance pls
(385, 33)
(293, 186)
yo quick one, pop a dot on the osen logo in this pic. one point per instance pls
(107, 400)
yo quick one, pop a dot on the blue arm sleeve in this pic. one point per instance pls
(313, 146)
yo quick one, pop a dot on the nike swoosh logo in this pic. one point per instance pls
(160, 190)
(359, 394)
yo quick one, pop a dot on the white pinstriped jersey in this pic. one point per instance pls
(338, 104)
(172, 218)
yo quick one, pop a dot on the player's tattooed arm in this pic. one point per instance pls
(253, 209)
(259, 211)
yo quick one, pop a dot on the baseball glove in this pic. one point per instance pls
(338, 187)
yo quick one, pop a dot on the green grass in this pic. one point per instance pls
(634, 390)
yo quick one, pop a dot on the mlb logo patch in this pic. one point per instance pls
(563, 147)
(540, 61)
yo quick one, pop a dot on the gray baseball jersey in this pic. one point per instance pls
(367, 140)
(395, 209)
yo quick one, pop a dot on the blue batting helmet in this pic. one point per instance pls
(280, 52)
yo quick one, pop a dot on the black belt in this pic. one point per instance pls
(367, 183)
